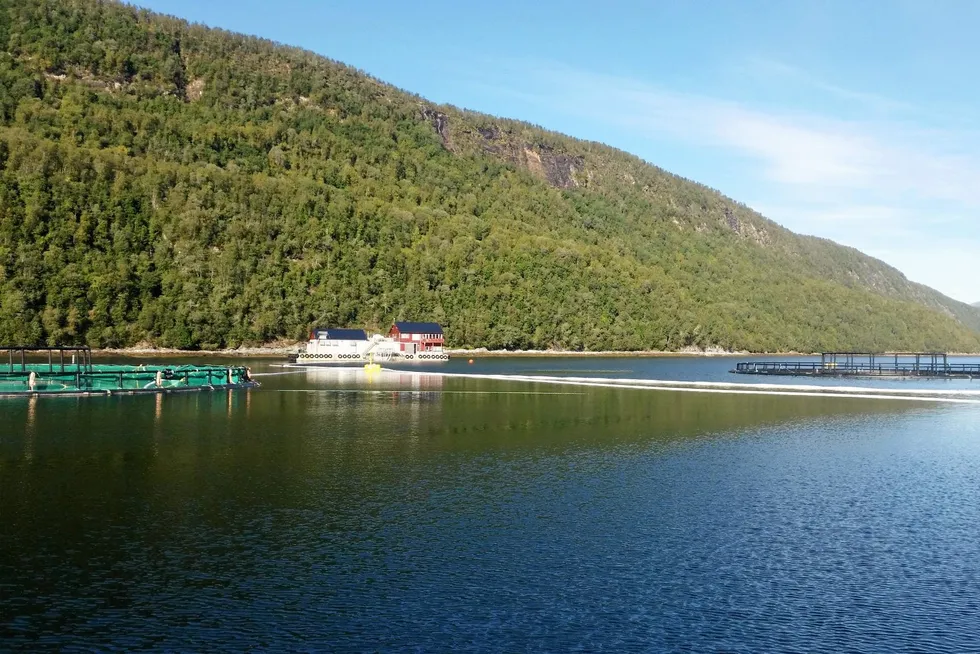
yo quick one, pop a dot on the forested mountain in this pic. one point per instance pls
(168, 183)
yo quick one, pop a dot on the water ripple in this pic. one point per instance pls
(497, 524)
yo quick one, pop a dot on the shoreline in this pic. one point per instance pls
(281, 351)
(274, 351)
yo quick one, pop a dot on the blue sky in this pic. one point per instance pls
(857, 121)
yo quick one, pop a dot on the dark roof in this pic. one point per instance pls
(341, 334)
(419, 327)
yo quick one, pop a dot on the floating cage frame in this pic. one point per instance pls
(866, 364)
(69, 370)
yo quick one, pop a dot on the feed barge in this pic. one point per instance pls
(934, 365)
(409, 342)
(37, 371)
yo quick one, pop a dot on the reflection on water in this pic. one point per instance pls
(334, 510)
(337, 378)
(710, 369)
(29, 428)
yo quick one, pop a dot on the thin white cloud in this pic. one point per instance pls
(800, 154)
(797, 149)
(765, 70)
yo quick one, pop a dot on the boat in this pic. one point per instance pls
(406, 342)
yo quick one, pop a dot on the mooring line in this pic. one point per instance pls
(273, 374)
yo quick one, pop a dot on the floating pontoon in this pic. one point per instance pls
(69, 371)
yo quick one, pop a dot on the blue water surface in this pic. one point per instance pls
(337, 511)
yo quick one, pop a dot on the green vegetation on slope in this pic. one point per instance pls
(168, 183)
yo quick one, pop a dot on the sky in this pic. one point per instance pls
(857, 120)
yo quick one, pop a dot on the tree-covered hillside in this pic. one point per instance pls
(168, 183)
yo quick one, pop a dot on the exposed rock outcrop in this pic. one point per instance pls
(732, 220)
(195, 89)
(440, 122)
(746, 229)
(558, 169)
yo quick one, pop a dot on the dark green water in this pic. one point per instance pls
(325, 511)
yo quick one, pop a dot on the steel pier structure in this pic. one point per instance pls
(867, 364)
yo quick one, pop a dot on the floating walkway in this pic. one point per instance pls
(866, 364)
(33, 371)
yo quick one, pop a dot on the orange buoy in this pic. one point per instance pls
(471, 361)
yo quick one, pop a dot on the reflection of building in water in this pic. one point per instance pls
(354, 378)
(319, 376)
(416, 381)
(401, 400)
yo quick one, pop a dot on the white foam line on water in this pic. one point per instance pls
(792, 390)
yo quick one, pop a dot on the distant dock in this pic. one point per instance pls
(866, 364)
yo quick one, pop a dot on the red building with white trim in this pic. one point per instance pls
(417, 337)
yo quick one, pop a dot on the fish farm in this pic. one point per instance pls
(35, 371)
(866, 364)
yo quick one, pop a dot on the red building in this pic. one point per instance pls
(417, 336)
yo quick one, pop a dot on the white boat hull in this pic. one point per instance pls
(305, 359)
(325, 351)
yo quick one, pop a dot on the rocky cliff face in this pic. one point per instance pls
(439, 122)
(559, 169)
(556, 168)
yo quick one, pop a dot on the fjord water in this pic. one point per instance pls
(335, 511)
